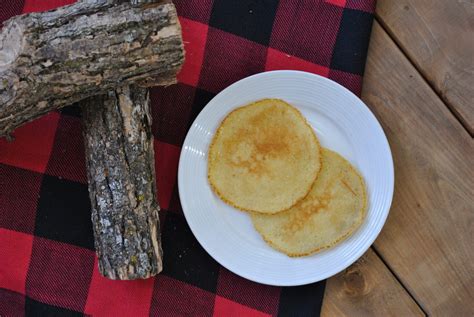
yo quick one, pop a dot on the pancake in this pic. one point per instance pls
(264, 157)
(333, 210)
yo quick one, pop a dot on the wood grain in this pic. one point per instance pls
(427, 240)
(367, 288)
(438, 37)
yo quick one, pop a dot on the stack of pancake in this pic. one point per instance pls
(265, 159)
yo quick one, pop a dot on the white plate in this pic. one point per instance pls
(341, 121)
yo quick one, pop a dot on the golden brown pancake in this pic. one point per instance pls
(334, 209)
(264, 157)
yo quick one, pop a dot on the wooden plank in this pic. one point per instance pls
(367, 288)
(427, 240)
(438, 37)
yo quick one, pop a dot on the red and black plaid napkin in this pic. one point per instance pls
(47, 260)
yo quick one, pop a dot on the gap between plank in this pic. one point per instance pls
(448, 105)
(398, 279)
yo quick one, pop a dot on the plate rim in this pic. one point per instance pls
(390, 181)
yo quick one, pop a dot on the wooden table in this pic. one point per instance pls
(419, 82)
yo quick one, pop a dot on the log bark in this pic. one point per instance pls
(51, 59)
(122, 187)
(119, 145)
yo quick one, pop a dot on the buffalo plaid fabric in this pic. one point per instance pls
(47, 260)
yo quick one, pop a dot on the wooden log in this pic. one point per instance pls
(119, 145)
(122, 188)
(51, 59)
